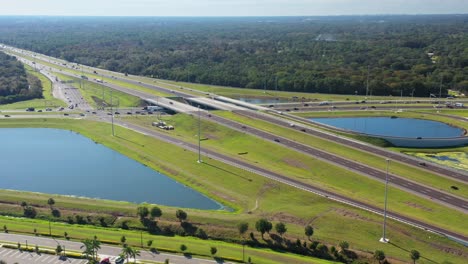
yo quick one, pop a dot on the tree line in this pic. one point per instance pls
(15, 84)
(330, 56)
(409, 55)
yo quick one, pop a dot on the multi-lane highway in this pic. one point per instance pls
(442, 197)
(400, 182)
(443, 171)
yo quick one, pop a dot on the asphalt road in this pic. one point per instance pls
(443, 171)
(413, 187)
(105, 251)
(207, 153)
(442, 197)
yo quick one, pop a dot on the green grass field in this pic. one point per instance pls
(406, 171)
(333, 222)
(300, 166)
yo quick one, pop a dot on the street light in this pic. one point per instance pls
(199, 140)
(384, 239)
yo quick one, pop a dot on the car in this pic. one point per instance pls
(105, 261)
(277, 140)
(119, 260)
(137, 112)
(117, 113)
(303, 130)
(373, 107)
(39, 111)
(81, 114)
(65, 114)
(30, 109)
(48, 109)
(93, 112)
(6, 115)
(109, 113)
(271, 106)
(295, 108)
(422, 164)
(129, 113)
(292, 125)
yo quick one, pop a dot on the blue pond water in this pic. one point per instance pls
(397, 127)
(63, 162)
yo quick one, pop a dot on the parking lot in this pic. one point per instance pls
(16, 256)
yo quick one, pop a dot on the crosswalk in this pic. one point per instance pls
(23, 257)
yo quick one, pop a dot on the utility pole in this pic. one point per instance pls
(199, 139)
(384, 239)
(112, 113)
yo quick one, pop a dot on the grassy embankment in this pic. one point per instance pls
(96, 94)
(47, 101)
(406, 171)
(304, 168)
(333, 221)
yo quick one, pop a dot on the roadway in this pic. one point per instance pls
(105, 251)
(461, 176)
(442, 197)
(399, 182)
(207, 153)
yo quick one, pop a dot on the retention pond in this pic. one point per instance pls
(64, 162)
(394, 127)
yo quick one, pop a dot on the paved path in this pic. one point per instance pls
(105, 251)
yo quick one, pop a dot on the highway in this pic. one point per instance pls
(441, 170)
(207, 153)
(400, 182)
(439, 196)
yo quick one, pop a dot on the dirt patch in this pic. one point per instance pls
(350, 214)
(295, 163)
(266, 187)
(414, 205)
(170, 170)
(287, 218)
(224, 196)
(211, 136)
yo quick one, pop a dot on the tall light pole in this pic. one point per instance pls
(199, 139)
(112, 113)
(384, 239)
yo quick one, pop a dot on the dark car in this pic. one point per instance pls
(105, 261)
(277, 140)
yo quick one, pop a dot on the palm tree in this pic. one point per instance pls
(96, 246)
(130, 252)
(88, 246)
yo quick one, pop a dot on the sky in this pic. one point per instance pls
(229, 7)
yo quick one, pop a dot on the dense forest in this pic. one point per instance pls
(15, 84)
(391, 55)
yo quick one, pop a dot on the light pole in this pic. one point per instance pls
(112, 113)
(384, 239)
(199, 140)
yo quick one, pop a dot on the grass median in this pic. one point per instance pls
(248, 192)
